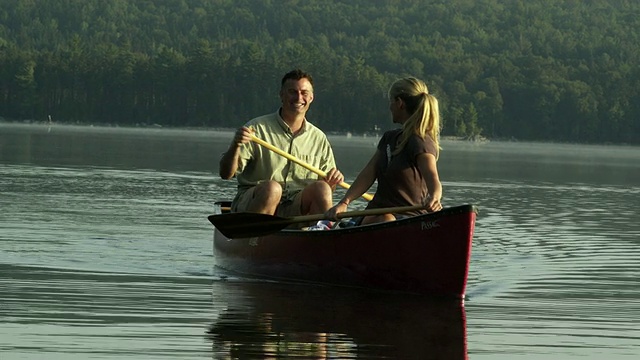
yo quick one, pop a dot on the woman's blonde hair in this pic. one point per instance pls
(423, 107)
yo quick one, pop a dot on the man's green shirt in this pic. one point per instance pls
(258, 164)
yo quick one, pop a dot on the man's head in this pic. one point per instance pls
(296, 92)
(296, 74)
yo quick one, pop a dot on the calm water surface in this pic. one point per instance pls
(105, 253)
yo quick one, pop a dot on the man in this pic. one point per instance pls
(269, 183)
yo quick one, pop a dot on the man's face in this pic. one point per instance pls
(296, 96)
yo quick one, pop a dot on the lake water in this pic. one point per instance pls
(106, 253)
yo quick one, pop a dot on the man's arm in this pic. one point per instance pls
(229, 160)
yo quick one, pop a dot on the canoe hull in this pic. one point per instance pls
(427, 254)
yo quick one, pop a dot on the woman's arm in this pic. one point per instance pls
(429, 171)
(363, 182)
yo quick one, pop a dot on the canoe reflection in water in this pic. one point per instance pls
(275, 320)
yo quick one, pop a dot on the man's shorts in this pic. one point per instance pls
(288, 207)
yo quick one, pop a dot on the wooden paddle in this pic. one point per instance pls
(243, 224)
(309, 167)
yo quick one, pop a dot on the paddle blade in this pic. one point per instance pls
(243, 225)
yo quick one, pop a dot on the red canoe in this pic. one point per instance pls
(426, 254)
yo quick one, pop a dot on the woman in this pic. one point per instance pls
(404, 163)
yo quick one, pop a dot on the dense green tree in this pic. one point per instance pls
(526, 69)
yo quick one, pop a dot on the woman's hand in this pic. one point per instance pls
(432, 203)
(334, 211)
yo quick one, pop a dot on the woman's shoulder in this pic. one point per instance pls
(423, 144)
(391, 134)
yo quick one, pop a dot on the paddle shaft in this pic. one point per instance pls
(348, 214)
(309, 167)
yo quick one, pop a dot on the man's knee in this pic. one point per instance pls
(317, 198)
(320, 189)
(268, 191)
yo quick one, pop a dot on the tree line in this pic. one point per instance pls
(553, 70)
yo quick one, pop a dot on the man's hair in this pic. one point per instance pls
(296, 74)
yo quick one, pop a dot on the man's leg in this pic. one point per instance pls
(316, 198)
(262, 198)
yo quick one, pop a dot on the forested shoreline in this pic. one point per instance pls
(524, 69)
